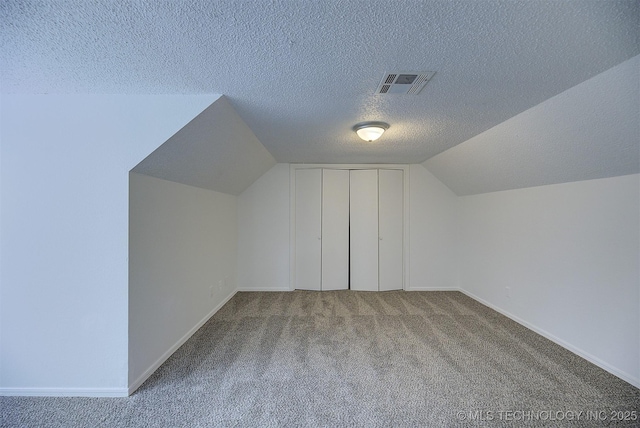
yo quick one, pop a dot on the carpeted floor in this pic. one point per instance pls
(348, 358)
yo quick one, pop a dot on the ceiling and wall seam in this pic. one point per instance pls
(216, 151)
(301, 75)
(587, 132)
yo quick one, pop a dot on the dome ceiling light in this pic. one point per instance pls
(370, 131)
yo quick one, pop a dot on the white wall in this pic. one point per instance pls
(64, 234)
(433, 232)
(570, 255)
(182, 258)
(263, 232)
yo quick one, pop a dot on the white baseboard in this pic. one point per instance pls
(147, 373)
(65, 392)
(247, 289)
(587, 356)
(264, 289)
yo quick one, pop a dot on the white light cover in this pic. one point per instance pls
(370, 133)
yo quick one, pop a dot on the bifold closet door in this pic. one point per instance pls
(335, 229)
(390, 229)
(308, 229)
(364, 229)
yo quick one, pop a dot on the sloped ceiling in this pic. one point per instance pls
(589, 131)
(216, 151)
(301, 73)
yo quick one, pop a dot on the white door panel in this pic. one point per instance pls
(364, 229)
(308, 229)
(335, 229)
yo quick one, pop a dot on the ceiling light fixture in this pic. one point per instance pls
(370, 131)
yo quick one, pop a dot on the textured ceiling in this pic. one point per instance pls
(301, 73)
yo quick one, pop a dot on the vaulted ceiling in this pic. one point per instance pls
(300, 74)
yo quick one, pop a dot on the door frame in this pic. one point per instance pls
(292, 212)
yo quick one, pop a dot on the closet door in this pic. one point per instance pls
(308, 229)
(390, 229)
(335, 229)
(364, 229)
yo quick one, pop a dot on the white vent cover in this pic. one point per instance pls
(404, 82)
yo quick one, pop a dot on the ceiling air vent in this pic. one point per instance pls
(405, 82)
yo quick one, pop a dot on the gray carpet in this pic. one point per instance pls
(354, 359)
